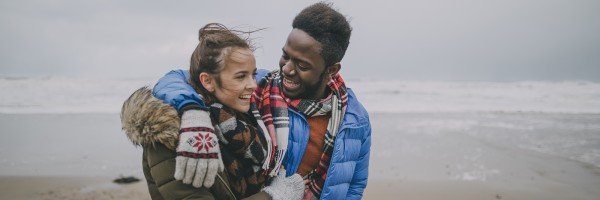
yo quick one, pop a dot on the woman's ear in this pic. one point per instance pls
(207, 81)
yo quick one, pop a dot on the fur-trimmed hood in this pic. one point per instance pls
(146, 120)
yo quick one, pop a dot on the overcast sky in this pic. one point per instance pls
(487, 40)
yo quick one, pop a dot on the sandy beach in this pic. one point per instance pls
(41, 188)
(414, 156)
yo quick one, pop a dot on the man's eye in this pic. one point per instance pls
(302, 67)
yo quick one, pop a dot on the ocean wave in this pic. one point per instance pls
(66, 95)
(509, 97)
(96, 95)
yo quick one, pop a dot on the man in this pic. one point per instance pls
(328, 131)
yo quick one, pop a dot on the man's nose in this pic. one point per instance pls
(288, 68)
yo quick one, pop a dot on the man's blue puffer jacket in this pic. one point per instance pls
(349, 169)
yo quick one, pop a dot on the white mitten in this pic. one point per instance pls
(198, 155)
(286, 187)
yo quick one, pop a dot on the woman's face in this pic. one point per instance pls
(237, 82)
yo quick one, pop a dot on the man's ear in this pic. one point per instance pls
(334, 69)
(207, 81)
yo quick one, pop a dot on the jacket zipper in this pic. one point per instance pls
(226, 186)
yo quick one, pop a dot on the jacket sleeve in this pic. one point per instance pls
(175, 90)
(160, 163)
(152, 188)
(361, 171)
(261, 73)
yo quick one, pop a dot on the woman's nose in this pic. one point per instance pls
(251, 84)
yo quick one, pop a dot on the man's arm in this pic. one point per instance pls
(361, 171)
(175, 90)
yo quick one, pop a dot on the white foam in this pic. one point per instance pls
(528, 96)
(81, 95)
(66, 95)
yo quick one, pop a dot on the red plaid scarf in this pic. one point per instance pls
(273, 105)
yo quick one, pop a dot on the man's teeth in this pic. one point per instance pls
(245, 96)
(289, 82)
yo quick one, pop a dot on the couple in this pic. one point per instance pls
(293, 133)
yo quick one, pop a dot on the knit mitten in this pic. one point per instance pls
(198, 155)
(285, 187)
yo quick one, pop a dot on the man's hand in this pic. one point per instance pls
(198, 155)
(282, 187)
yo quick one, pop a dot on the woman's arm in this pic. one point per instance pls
(159, 163)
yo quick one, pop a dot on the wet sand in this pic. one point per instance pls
(39, 188)
(414, 156)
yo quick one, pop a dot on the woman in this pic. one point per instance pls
(222, 70)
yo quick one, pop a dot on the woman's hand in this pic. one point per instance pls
(198, 154)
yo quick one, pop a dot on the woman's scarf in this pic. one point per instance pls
(273, 105)
(243, 149)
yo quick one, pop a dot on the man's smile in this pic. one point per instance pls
(289, 84)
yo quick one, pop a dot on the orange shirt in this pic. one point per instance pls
(314, 148)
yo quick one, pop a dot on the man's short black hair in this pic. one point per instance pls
(328, 27)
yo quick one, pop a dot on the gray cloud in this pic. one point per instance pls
(424, 40)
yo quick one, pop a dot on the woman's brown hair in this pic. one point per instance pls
(216, 43)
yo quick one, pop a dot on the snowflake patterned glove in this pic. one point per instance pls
(284, 188)
(198, 155)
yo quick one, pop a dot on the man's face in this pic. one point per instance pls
(302, 67)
